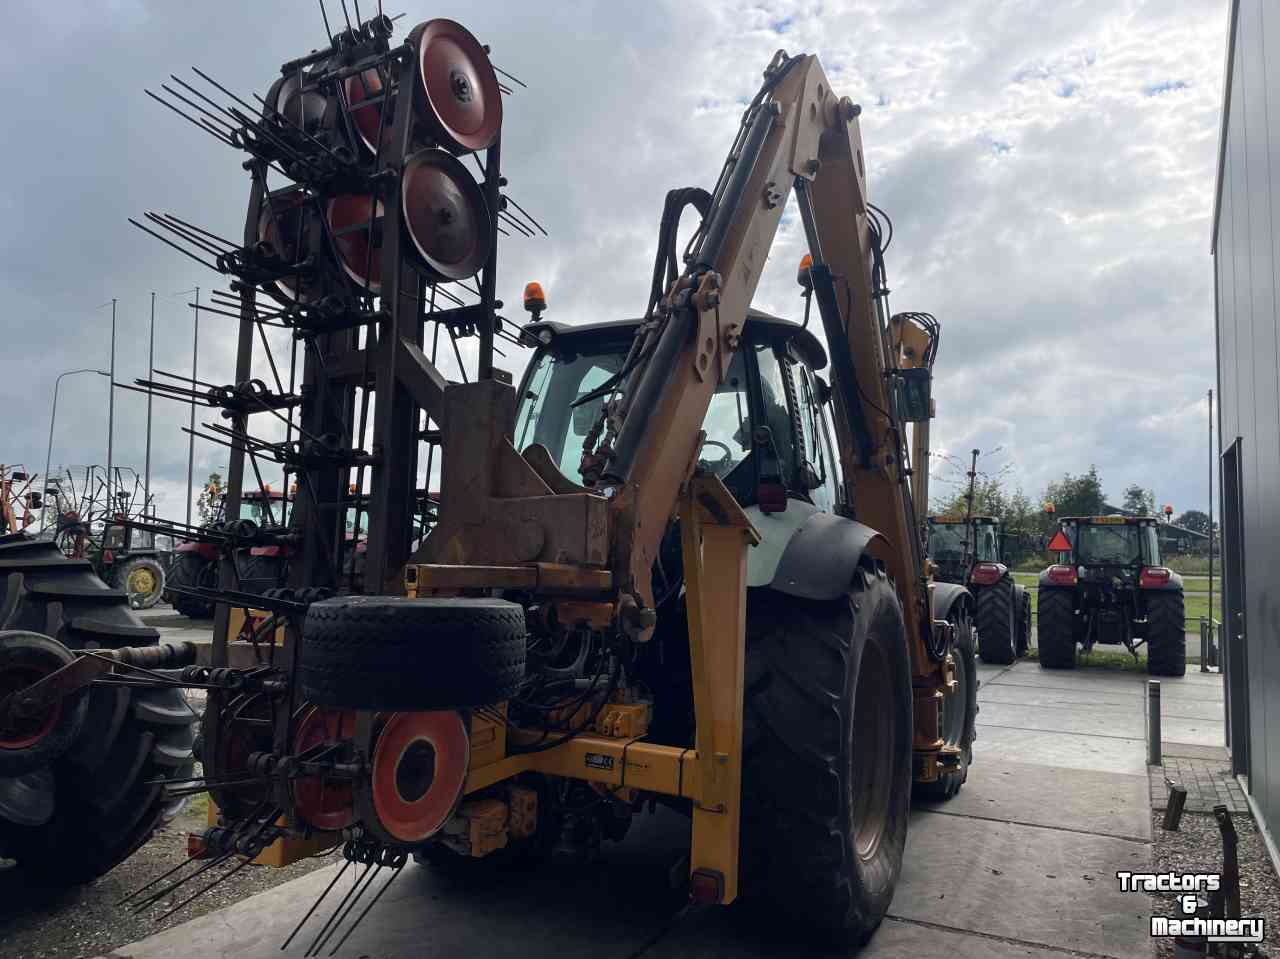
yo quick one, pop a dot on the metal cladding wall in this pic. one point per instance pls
(1246, 245)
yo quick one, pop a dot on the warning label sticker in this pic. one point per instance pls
(599, 761)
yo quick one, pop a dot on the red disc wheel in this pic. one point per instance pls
(244, 728)
(458, 94)
(419, 768)
(326, 804)
(281, 226)
(17, 731)
(366, 116)
(359, 248)
(446, 215)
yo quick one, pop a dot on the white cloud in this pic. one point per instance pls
(1048, 168)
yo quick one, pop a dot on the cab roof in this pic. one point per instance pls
(1114, 519)
(948, 518)
(807, 345)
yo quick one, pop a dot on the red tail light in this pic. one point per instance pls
(1062, 575)
(771, 497)
(107, 558)
(985, 574)
(706, 887)
(1153, 577)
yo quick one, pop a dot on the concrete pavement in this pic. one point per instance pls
(1021, 863)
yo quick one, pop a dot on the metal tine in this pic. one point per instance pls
(192, 226)
(372, 902)
(236, 316)
(166, 240)
(316, 905)
(318, 142)
(203, 126)
(527, 215)
(262, 131)
(195, 895)
(178, 231)
(216, 106)
(346, 912)
(333, 915)
(503, 88)
(516, 80)
(159, 878)
(189, 379)
(198, 108)
(515, 224)
(156, 897)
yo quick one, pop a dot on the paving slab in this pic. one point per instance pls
(1189, 751)
(1068, 750)
(1192, 708)
(723, 936)
(1196, 732)
(1196, 692)
(1115, 721)
(1102, 803)
(1047, 887)
(1029, 674)
(1048, 696)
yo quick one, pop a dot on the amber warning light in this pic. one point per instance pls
(535, 301)
(802, 274)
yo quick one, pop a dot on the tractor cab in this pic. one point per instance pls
(954, 546)
(767, 436)
(1100, 548)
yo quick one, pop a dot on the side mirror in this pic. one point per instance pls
(822, 391)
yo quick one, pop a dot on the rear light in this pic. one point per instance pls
(1062, 575)
(706, 887)
(107, 557)
(1153, 577)
(985, 574)
(771, 497)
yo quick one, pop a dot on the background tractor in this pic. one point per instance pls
(673, 567)
(1108, 587)
(970, 552)
(88, 527)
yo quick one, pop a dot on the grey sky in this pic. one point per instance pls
(1048, 168)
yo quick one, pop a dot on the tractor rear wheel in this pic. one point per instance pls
(959, 712)
(1055, 628)
(143, 579)
(77, 816)
(996, 622)
(192, 569)
(827, 755)
(1022, 641)
(1166, 634)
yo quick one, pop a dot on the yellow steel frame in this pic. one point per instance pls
(715, 534)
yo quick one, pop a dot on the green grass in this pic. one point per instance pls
(1098, 659)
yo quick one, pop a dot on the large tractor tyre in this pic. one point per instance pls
(1022, 604)
(143, 579)
(1055, 628)
(259, 573)
(997, 623)
(76, 817)
(1166, 634)
(395, 653)
(192, 569)
(30, 741)
(826, 787)
(959, 712)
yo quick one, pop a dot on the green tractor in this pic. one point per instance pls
(970, 552)
(1108, 587)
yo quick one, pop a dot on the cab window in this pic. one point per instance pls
(817, 469)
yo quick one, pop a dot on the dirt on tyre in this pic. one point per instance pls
(143, 579)
(79, 815)
(1055, 628)
(996, 623)
(826, 756)
(1166, 635)
(396, 653)
(959, 712)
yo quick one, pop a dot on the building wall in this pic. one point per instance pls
(1246, 244)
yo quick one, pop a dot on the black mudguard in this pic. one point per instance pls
(820, 559)
(946, 596)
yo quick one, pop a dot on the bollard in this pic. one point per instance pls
(1205, 644)
(1173, 808)
(1153, 722)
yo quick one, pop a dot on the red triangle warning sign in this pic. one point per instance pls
(1059, 543)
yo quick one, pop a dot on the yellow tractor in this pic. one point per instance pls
(679, 563)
